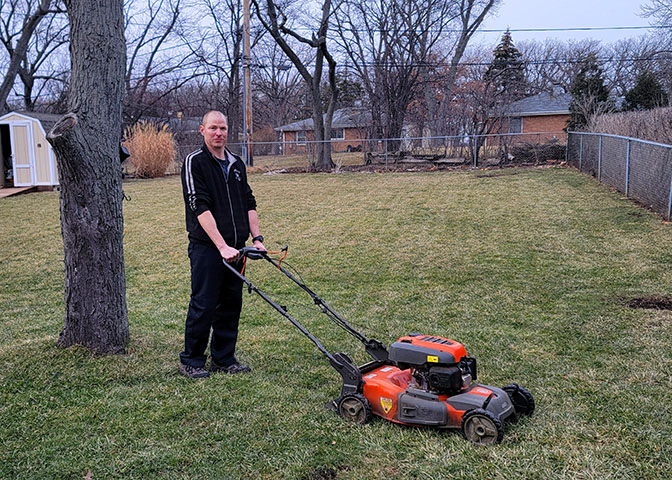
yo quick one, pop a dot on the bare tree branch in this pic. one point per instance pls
(32, 19)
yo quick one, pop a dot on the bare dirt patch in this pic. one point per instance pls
(653, 303)
(324, 473)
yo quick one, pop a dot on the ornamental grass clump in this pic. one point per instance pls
(654, 125)
(152, 149)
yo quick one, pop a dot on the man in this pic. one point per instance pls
(220, 213)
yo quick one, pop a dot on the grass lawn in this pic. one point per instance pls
(531, 269)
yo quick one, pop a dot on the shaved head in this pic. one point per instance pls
(213, 114)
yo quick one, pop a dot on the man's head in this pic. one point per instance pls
(214, 128)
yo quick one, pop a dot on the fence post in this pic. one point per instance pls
(475, 152)
(599, 161)
(386, 154)
(581, 152)
(567, 148)
(627, 169)
(669, 202)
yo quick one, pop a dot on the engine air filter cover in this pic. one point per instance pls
(420, 350)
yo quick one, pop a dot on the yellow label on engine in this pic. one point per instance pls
(432, 359)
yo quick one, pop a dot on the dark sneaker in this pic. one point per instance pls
(193, 372)
(232, 369)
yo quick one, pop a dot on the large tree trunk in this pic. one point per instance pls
(322, 134)
(86, 144)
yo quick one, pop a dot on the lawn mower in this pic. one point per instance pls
(420, 380)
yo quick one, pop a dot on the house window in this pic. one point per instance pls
(338, 134)
(516, 125)
(301, 137)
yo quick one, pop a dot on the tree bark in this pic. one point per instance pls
(86, 145)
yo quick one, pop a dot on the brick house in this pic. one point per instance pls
(349, 127)
(544, 112)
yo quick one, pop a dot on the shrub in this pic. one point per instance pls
(537, 152)
(152, 149)
(653, 125)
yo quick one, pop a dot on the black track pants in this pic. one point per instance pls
(216, 300)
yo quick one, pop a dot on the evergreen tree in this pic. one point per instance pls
(349, 92)
(506, 73)
(590, 96)
(647, 93)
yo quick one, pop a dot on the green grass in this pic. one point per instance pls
(531, 270)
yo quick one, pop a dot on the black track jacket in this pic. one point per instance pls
(204, 188)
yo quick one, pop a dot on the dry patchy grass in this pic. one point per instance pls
(530, 271)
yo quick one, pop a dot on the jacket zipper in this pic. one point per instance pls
(233, 220)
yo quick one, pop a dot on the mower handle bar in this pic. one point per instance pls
(253, 253)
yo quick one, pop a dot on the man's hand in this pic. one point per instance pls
(229, 254)
(259, 246)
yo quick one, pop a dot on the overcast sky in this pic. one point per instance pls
(566, 14)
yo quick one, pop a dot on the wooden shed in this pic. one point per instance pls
(25, 155)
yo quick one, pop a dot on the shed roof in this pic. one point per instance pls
(48, 120)
(343, 118)
(541, 104)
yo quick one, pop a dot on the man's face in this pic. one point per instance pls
(214, 131)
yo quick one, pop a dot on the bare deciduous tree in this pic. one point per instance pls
(660, 11)
(554, 64)
(18, 21)
(274, 19)
(277, 88)
(219, 49)
(39, 67)
(155, 68)
(394, 46)
(86, 144)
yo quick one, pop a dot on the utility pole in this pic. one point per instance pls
(247, 97)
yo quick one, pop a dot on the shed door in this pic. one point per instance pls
(22, 154)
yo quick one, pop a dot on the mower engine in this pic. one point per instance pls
(437, 364)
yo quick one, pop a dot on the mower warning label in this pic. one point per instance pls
(386, 403)
(432, 359)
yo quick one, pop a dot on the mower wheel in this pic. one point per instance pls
(355, 407)
(521, 398)
(482, 427)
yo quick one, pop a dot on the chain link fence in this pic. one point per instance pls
(405, 153)
(640, 169)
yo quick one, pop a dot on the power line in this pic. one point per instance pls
(547, 61)
(571, 29)
(183, 43)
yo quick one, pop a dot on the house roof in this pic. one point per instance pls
(541, 104)
(343, 118)
(184, 124)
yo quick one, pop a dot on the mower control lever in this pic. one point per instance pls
(253, 253)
